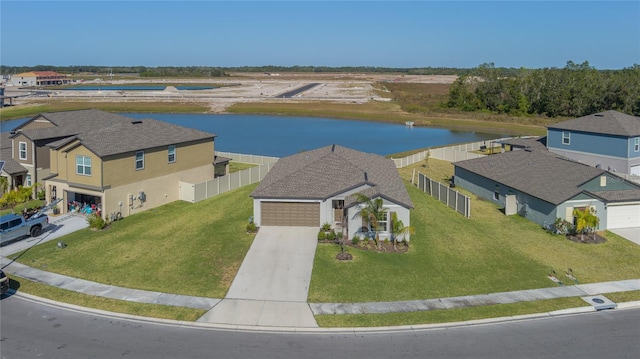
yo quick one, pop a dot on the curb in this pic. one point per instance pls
(294, 330)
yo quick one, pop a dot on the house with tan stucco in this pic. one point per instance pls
(111, 162)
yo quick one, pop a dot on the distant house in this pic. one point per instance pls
(315, 187)
(609, 140)
(542, 186)
(39, 78)
(111, 161)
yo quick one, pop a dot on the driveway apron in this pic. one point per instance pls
(272, 284)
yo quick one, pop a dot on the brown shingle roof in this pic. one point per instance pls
(328, 171)
(136, 135)
(607, 122)
(540, 173)
(71, 123)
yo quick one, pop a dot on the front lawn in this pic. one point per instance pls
(451, 255)
(192, 249)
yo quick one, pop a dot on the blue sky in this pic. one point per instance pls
(531, 34)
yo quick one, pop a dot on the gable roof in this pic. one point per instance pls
(539, 173)
(69, 123)
(10, 166)
(134, 135)
(327, 171)
(607, 123)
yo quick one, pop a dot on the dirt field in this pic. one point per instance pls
(244, 87)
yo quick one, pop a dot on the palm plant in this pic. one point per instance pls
(586, 220)
(399, 230)
(373, 211)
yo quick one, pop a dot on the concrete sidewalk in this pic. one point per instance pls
(277, 297)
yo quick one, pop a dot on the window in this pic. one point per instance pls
(139, 160)
(383, 222)
(83, 165)
(496, 192)
(171, 154)
(28, 180)
(636, 144)
(566, 137)
(22, 147)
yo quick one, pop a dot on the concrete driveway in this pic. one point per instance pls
(272, 284)
(632, 234)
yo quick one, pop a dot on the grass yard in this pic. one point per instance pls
(192, 249)
(239, 166)
(453, 256)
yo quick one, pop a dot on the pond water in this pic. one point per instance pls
(281, 136)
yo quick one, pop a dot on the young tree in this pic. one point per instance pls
(373, 211)
(586, 221)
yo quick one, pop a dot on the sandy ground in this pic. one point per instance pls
(243, 87)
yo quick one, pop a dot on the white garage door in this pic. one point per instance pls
(623, 216)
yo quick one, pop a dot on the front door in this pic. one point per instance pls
(338, 211)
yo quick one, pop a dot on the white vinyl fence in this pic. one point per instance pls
(196, 192)
(463, 151)
(452, 198)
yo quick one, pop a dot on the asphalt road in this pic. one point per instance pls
(34, 330)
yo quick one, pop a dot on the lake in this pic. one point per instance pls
(281, 136)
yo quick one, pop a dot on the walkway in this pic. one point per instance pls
(271, 287)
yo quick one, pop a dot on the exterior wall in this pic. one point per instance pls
(355, 221)
(598, 144)
(157, 191)
(326, 207)
(16, 150)
(69, 168)
(612, 153)
(632, 151)
(23, 81)
(565, 210)
(120, 170)
(612, 183)
(530, 207)
(37, 123)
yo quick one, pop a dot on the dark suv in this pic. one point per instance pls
(4, 283)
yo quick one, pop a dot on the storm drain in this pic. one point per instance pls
(600, 302)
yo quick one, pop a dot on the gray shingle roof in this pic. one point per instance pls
(539, 173)
(607, 122)
(618, 196)
(11, 166)
(532, 142)
(135, 135)
(327, 171)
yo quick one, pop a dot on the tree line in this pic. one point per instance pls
(573, 91)
(208, 71)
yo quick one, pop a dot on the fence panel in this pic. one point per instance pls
(450, 197)
(200, 192)
(213, 187)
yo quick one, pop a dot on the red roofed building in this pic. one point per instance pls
(39, 78)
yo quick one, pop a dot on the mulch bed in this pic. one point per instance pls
(587, 238)
(369, 245)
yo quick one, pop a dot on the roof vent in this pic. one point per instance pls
(333, 148)
(136, 122)
(599, 115)
(366, 177)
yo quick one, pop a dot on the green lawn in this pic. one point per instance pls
(239, 166)
(452, 256)
(192, 249)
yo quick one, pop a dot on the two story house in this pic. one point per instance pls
(112, 163)
(609, 140)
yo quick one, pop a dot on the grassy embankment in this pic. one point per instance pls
(198, 254)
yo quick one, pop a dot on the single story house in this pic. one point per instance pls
(316, 187)
(543, 186)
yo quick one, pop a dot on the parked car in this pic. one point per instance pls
(4, 283)
(13, 226)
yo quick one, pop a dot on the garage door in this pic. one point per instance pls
(623, 216)
(301, 214)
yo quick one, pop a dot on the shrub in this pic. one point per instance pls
(251, 227)
(96, 222)
(321, 235)
(326, 227)
(331, 235)
(355, 240)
